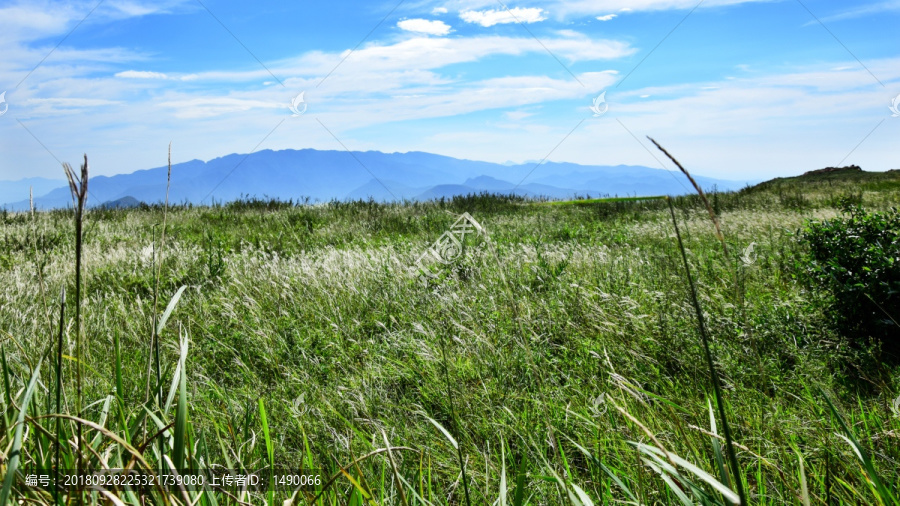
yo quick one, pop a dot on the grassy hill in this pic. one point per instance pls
(537, 366)
(851, 178)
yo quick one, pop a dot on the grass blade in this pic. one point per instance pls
(270, 451)
(679, 493)
(120, 391)
(804, 490)
(502, 498)
(885, 495)
(717, 448)
(168, 312)
(618, 481)
(390, 455)
(720, 487)
(8, 395)
(15, 452)
(519, 497)
(181, 409)
(59, 355)
(265, 427)
(444, 432)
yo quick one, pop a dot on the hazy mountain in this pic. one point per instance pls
(384, 189)
(488, 183)
(327, 175)
(12, 191)
(122, 203)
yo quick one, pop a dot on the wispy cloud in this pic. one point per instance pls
(517, 115)
(141, 74)
(860, 11)
(493, 17)
(71, 102)
(149, 74)
(23, 21)
(606, 17)
(566, 8)
(207, 107)
(423, 53)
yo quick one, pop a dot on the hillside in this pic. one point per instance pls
(851, 177)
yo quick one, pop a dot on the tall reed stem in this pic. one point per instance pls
(59, 354)
(79, 187)
(155, 330)
(709, 208)
(714, 376)
(37, 264)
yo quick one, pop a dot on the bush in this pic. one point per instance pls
(856, 259)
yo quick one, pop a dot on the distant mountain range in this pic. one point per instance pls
(12, 191)
(341, 175)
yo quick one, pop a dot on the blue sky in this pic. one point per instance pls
(735, 89)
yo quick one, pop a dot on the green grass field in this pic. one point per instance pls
(557, 361)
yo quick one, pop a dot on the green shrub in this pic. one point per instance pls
(856, 258)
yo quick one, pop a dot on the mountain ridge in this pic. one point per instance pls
(324, 175)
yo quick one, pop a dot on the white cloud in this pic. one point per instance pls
(493, 17)
(70, 102)
(28, 30)
(131, 9)
(606, 17)
(403, 81)
(150, 75)
(517, 115)
(755, 127)
(25, 21)
(567, 8)
(576, 47)
(141, 74)
(439, 10)
(415, 103)
(424, 26)
(206, 107)
(418, 54)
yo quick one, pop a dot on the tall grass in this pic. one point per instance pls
(585, 384)
(704, 336)
(155, 326)
(79, 187)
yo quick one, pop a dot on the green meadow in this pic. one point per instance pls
(555, 357)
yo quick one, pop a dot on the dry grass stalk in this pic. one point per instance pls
(79, 187)
(712, 213)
